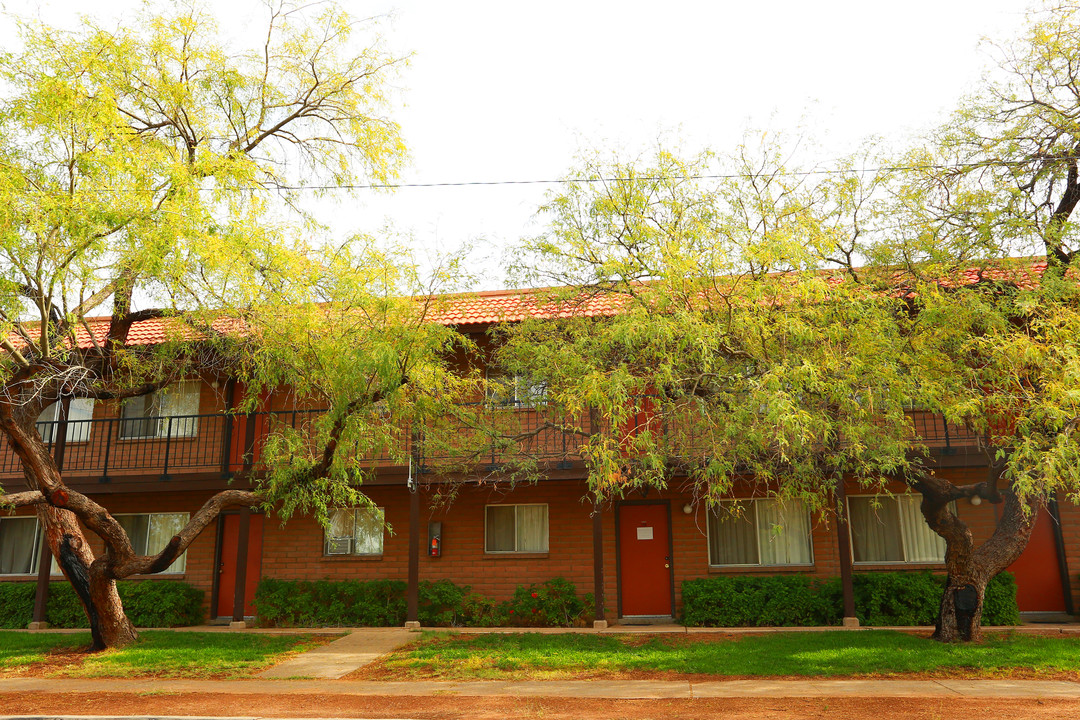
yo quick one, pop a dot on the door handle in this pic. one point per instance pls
(667, 562)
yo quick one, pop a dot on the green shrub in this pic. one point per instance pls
(999, 603)
(16, 604)
(441, 603)
(882, 599)
(760, 601)
(353, 603)
(162, 603)
(148, 603)
(554, 603)
(326, 603)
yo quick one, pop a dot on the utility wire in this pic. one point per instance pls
(615, 179)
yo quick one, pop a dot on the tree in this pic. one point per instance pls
(998, 181)
(790, 324)
(141, 170)
(730, 353)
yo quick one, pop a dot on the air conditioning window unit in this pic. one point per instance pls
(338, 546)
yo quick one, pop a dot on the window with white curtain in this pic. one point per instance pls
(355, 531)
(20, 546)
(19, 549)
(166, 412)
(891, 529)
(151, 532)
(760, 532)
(516, 529)
(80, 413)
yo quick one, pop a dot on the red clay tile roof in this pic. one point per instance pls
(500, 306)
(147, 332)
(516, 305)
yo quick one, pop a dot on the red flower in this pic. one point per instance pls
(534, 595)
(511, 612)
(535, 610)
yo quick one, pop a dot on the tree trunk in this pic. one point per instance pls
(960, 617)
(970, 569)
(109, 626)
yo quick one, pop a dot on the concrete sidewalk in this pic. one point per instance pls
(607, 689)
(342, 656)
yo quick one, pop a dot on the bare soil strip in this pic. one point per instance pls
(499, 708)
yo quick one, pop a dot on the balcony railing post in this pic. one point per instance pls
(108, 449)
(168, 446)
(226, 441)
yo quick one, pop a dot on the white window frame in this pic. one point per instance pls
(757, 536)
(903, 546)
(39, 537)
(80, 413)
(160, 405)
(516, 392)
(179, 565)
(380, 516)
(515, 551)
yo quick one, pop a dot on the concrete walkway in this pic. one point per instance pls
(342, 656)
(608, 689)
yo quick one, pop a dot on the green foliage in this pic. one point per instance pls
(550, 604)
(999, 602)
(881, 599)
(441, 603)
(162, 603)
(330, 603)
(16, 604)
(778, 600)
(158, 653)
(535, 656)
(377, 603)
(148, 603)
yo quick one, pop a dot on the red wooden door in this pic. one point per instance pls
(644, 560)
(1038, 577)
(230, 537)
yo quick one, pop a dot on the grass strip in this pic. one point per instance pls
(818, 654)
(156, 654)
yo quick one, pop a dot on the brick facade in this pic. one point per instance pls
(295, 550)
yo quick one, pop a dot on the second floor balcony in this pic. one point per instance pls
(214, 447)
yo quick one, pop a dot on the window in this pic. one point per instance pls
(20, 546)
(766, 532)
(516, 529)
(80, 413)
(892, 530)
(355, 531)
(170, 411)
(517, 391)
(151, 532)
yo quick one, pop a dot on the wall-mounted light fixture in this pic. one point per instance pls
(687, 509)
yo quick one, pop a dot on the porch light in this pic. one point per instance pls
(687, 509)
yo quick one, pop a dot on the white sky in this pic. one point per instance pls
(504, 90)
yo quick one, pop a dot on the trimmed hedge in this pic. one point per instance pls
(148, 603)
(326, 603)
(898, 598)
(373, 603)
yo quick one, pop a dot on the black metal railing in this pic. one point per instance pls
(491, 435)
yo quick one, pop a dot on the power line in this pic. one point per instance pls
(617, 179)
(655, 178)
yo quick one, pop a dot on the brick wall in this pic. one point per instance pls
(295, 550)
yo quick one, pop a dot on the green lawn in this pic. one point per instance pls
(157, 653)
(822, 654)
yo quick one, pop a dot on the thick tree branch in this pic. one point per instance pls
(22, 499)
